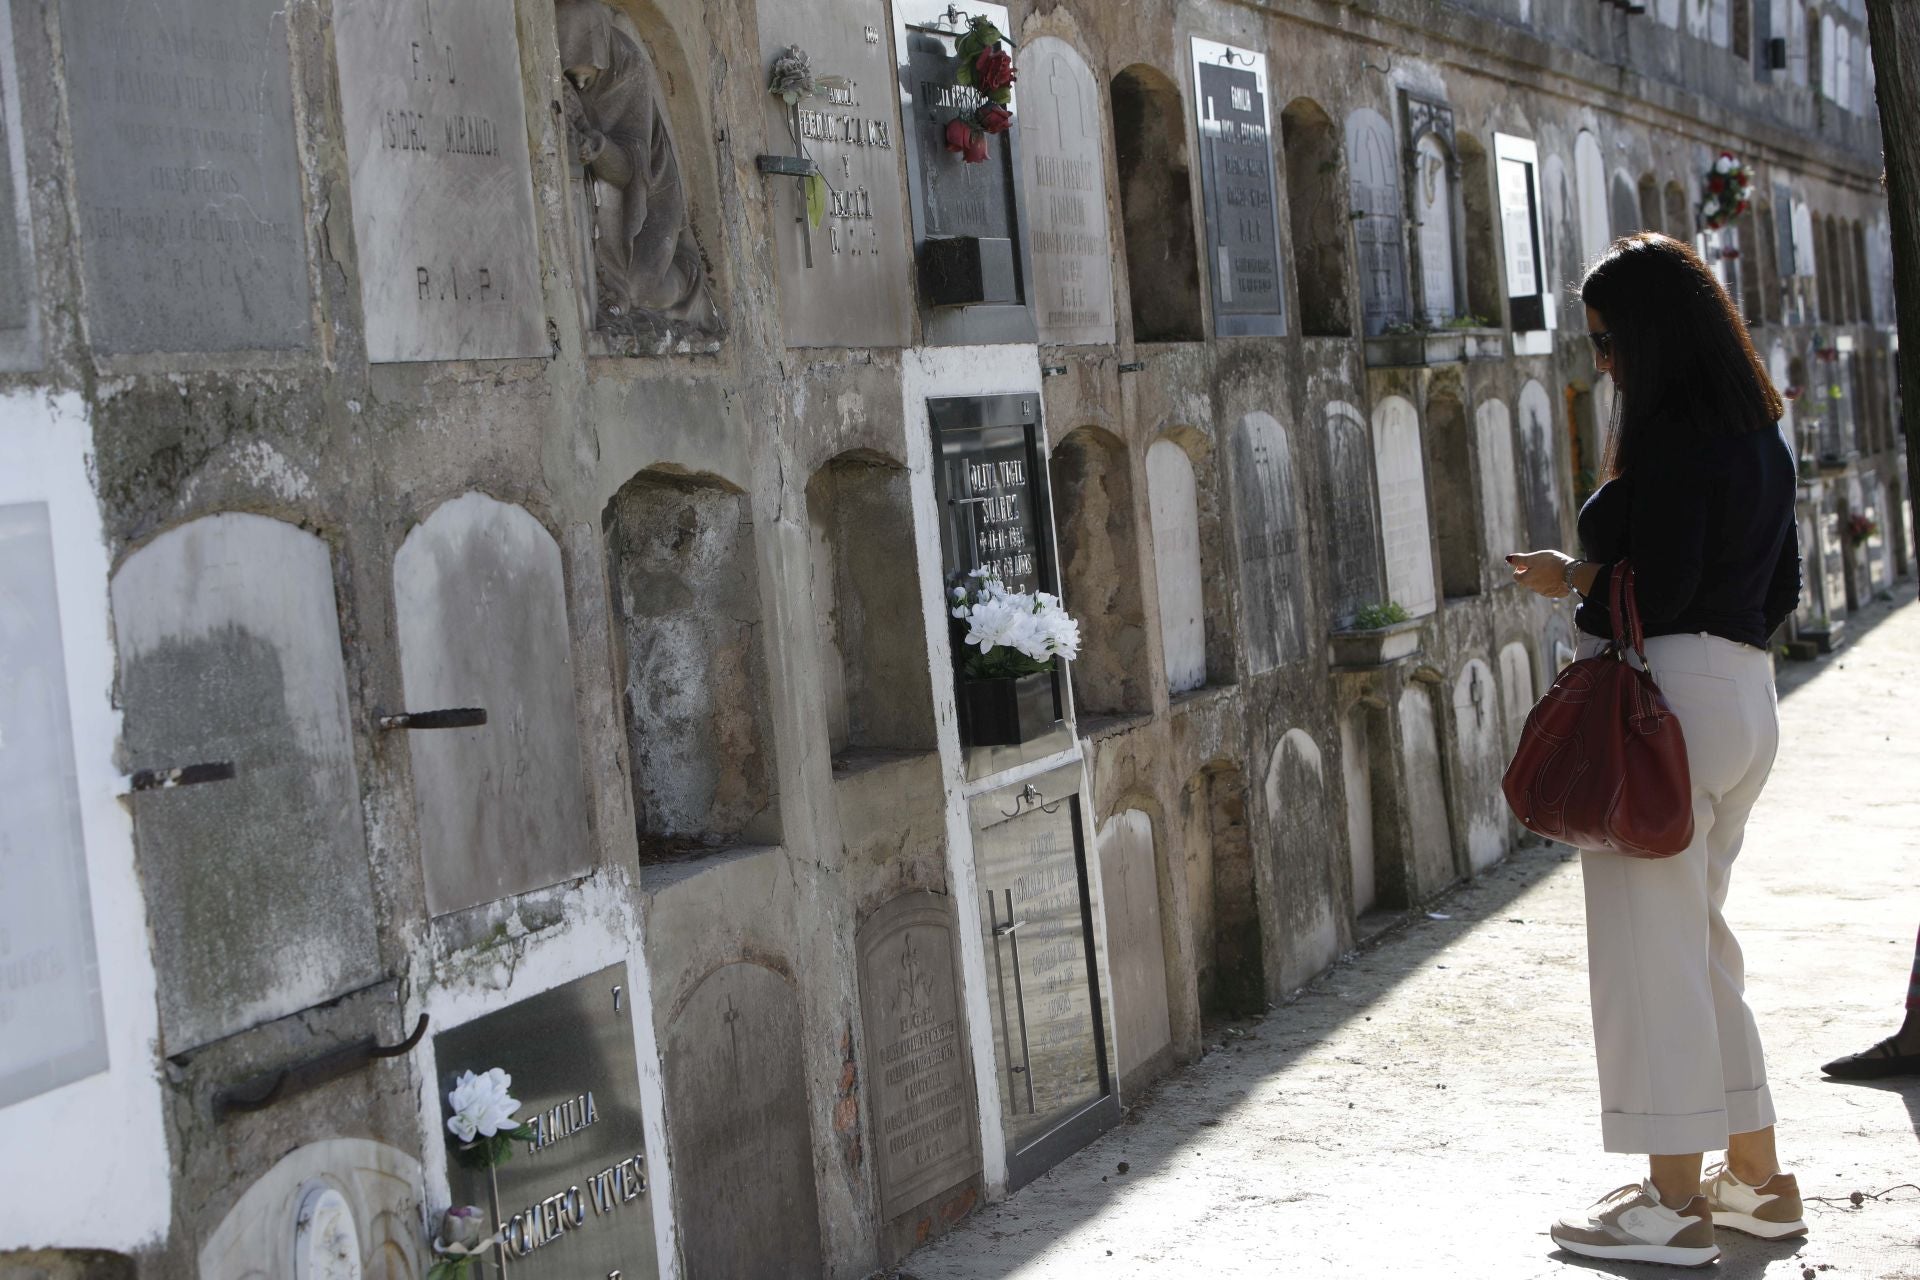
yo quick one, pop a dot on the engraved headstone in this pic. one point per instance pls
(481, 612)
(963, 213)
(1295, 792)
(1499, 483)
(1477, 733)
(1373, 174)
(926, 1137)
(575, 1201)
(1061, 150)
(431, 105)
(1403, 506)
(1267, 527)
(1538, 470)
(995, 493)
(1136, 955)
(1174, 508)
(19, 291)
(742, 1149)
(187, 174)
(52, 1030)
(1353, 529)
(845, 282)
(1433, 209)
(258, 891)
(1432, 853)
(1236, 180)
(1516, 691)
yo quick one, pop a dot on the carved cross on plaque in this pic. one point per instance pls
(731, 1016)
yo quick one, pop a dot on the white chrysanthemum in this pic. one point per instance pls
(481, 1105)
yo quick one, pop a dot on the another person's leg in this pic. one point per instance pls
(1899, 1053)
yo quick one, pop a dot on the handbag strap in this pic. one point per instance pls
(1624, 612)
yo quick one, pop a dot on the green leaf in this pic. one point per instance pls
(965, 74)
(1001, 96)
(816, 199)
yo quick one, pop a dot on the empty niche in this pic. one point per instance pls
(1136, 950)
(1364, 737)
(1302, 875)
(480, 610)
(1197, 648)
(1403, 505)
(1625, 211)
(1482, 241)
(1590, 190)
(1679, 216)
(1499, 482)
(1221, 892)
(1267, 528)
(1650, 202)
(1156, 206)
(680, 552)
(1100, 567)
(1477, 735)
(1373, 177)
(1456, 516)
(1428, 859)
(872, 633)
(1350, 517)
(1317, 212)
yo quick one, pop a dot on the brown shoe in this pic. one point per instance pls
(1631, 1225)
(1771, 1211)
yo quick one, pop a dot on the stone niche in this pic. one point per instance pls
(845, 282)
(1352, 524)
(1222, 892)
(1373, 177)
(635, 189)
(19, 295)
(685, 581)
(436, 133)
(1478, 740)
(926, 1131)
(480, 608)
(1499, 482)
(1237, 189)
(872, 632)
(1267, 528)
(1428, 860)
(1303, 875)
(339, 1209)
(1195, 635)
(258, 889)
(191, 229)
(1136, 950)
(1156, 206)
(1516, 692)
(1538, 469)
(1062, 150)
(1456, 513)
(743, 1171)
(1403, 505)
(1100, 567)
(1317, 208)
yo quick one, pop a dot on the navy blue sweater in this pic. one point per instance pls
(1709, 526)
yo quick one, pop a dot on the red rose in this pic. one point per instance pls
(992, 70)
(976, 148)
(959, 136)
(993, 118)
(1717, 185)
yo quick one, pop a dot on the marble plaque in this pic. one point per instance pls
(1433, 220)
(845, 282)
(19, 289)
(994, 489)
(258, 890)
(1267, 528)
(1516, 692)
(1499, 482)
(431, 102)
(737, 1123)
(1063, 164)
(1477, 735)
(1136, 951)
(1538, 470)
(1236, 181)
(1352, 528)
(577, 1200)
(1403, 506)
(1431, 860)
(481, 611)
(52, 1030)
(1039, 975)
(1173, 502)
(187, 174)
(926, 1136)
(1833, 561)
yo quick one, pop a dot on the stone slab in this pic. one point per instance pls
(1237, 187)
(1136, 951)
(337, 1209)
(1267, 528)
(1499, 481)
(1352, 523)
(1540, 494)
(1173, 503)
(743, 1172)
(1477, 737)
(52, 1029)
(480, 608)
(1062, 147)
(844, 283)
(994, 485)
(577, 1200)
(926, 1133)
(432, 106)
(19, 287)
(1405, 532)
(1431, 860)
(258, 889)
(187, 174)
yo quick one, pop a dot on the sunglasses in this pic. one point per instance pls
(1602, 342)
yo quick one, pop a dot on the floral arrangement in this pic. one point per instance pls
(483, 1118)
(461, 1244)
(1729, 187)
(1861, 527)
(792, 80)
(988, 69)
(1372, 617)
(1016, 633)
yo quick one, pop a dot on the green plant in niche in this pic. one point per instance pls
(1375, 616)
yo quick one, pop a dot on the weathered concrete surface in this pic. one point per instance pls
(1428, 1107)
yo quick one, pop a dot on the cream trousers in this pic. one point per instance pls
(1679, 1055)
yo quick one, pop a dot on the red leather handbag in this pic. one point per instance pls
(1602, 763)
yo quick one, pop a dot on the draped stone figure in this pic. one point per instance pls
(646, 260)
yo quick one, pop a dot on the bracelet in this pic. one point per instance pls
(1567, 577)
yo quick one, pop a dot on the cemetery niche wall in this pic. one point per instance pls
(1237, 189)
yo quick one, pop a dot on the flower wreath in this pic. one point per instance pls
(987, 69)
(1729, 185)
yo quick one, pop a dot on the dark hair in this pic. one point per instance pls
(1686, 366)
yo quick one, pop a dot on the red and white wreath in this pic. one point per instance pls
(1729, 187)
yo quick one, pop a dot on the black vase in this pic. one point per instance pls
(1006, 711)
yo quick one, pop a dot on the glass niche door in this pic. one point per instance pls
(1043, 988)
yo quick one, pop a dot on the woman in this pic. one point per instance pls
(1699, 496)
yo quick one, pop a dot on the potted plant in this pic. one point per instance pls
(1379, 634)
(1005, 690)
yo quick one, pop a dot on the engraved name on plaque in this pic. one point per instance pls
(925, 1136)
(187, 174)
(1236, 175)
(442, 186)
(575, 1200)
(843, 283)
(1062, 163)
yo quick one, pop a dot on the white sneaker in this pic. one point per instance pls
(1631, 1225)
(1771, 1211)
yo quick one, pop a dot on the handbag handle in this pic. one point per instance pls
(1623, 609)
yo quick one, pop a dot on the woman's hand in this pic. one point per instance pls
(1542, 572)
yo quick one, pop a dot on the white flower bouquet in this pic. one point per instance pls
(1011, 633)
(483, 1119)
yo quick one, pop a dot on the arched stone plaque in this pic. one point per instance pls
(926, 1132)
(1352, 524)
(1539, 472)
(1267, 526)
(339, 1209)
(1136, 952)
(1477, 736)
(1296, 795)
(1403, 506)
(1062, 161)
(1174, 506)
(1499, 483)
(1431, 860)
